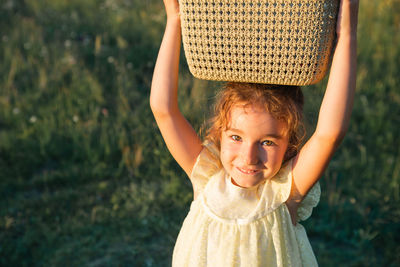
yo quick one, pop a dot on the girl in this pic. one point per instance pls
(251, 182)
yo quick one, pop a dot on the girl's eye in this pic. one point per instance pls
(236, 138)
(267, 143)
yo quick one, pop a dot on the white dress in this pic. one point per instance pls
(232, 226)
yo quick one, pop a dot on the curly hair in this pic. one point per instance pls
(285, 103)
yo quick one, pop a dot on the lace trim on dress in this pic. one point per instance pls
(309, 202)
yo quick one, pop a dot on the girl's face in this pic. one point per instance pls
(253, 146)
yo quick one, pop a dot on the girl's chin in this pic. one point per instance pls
(246, 183)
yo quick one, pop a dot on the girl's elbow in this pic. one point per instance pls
(338, 139)
(161, 109)
(340, 134)
(158, 106)
(334, 138)
(158, 111)
(153, 104)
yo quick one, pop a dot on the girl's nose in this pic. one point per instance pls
(250, 154)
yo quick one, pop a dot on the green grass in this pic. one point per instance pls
(85, 177)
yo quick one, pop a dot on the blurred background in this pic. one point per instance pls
(85, 178)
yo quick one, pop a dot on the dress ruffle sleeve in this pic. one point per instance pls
(277, 190)
(207, 164)
(309, 202)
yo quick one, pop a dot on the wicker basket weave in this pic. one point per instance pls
(261, 41)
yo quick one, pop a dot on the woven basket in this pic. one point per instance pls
(260, 41)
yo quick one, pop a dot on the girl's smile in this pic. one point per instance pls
(253, 145)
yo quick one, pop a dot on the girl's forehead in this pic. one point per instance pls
(254, 118)
(248, 110)
(245, 118)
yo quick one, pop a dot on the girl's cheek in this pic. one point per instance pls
(229, 151)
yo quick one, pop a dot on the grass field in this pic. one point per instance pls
(85, 178)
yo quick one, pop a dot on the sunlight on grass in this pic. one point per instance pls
(86, 178)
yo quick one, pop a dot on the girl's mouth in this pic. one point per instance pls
(247, 171)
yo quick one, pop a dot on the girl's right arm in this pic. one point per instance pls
(179, 136)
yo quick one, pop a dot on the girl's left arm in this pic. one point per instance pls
(336, 105)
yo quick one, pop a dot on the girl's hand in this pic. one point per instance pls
(347, 18)
(172, 9)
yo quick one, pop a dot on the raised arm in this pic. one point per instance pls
(181, 139)
(336, 106)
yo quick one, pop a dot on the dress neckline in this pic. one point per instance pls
(246, 192)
